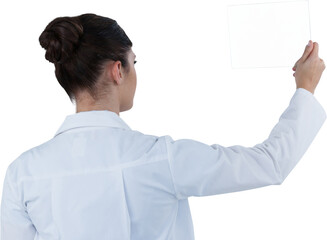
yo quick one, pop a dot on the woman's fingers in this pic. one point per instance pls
(315, 49)
(307, 52)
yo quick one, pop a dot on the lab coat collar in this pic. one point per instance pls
(98, 118)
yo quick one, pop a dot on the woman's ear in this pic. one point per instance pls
(113, 72)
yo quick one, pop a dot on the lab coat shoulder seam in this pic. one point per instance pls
(114, 168)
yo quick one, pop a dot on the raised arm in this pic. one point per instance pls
(198, 169)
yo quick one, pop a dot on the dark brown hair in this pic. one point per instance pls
(79, 46)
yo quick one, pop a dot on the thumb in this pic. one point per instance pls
(305, 55)
(307, 51)
(315, 50)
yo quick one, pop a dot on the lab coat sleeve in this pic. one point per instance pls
(15, 222)
(198, 169)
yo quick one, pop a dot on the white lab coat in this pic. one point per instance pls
(97, 179)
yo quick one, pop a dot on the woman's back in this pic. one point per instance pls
(98, 179)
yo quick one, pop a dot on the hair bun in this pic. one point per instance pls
(61, 38)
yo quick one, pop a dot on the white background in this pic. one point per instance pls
(187, 89)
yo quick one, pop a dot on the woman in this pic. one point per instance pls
(99, 179)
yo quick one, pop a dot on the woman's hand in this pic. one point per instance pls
(308, 69)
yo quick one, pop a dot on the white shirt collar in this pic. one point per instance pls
(98, 118)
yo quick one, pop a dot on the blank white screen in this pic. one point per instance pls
(267, 34)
